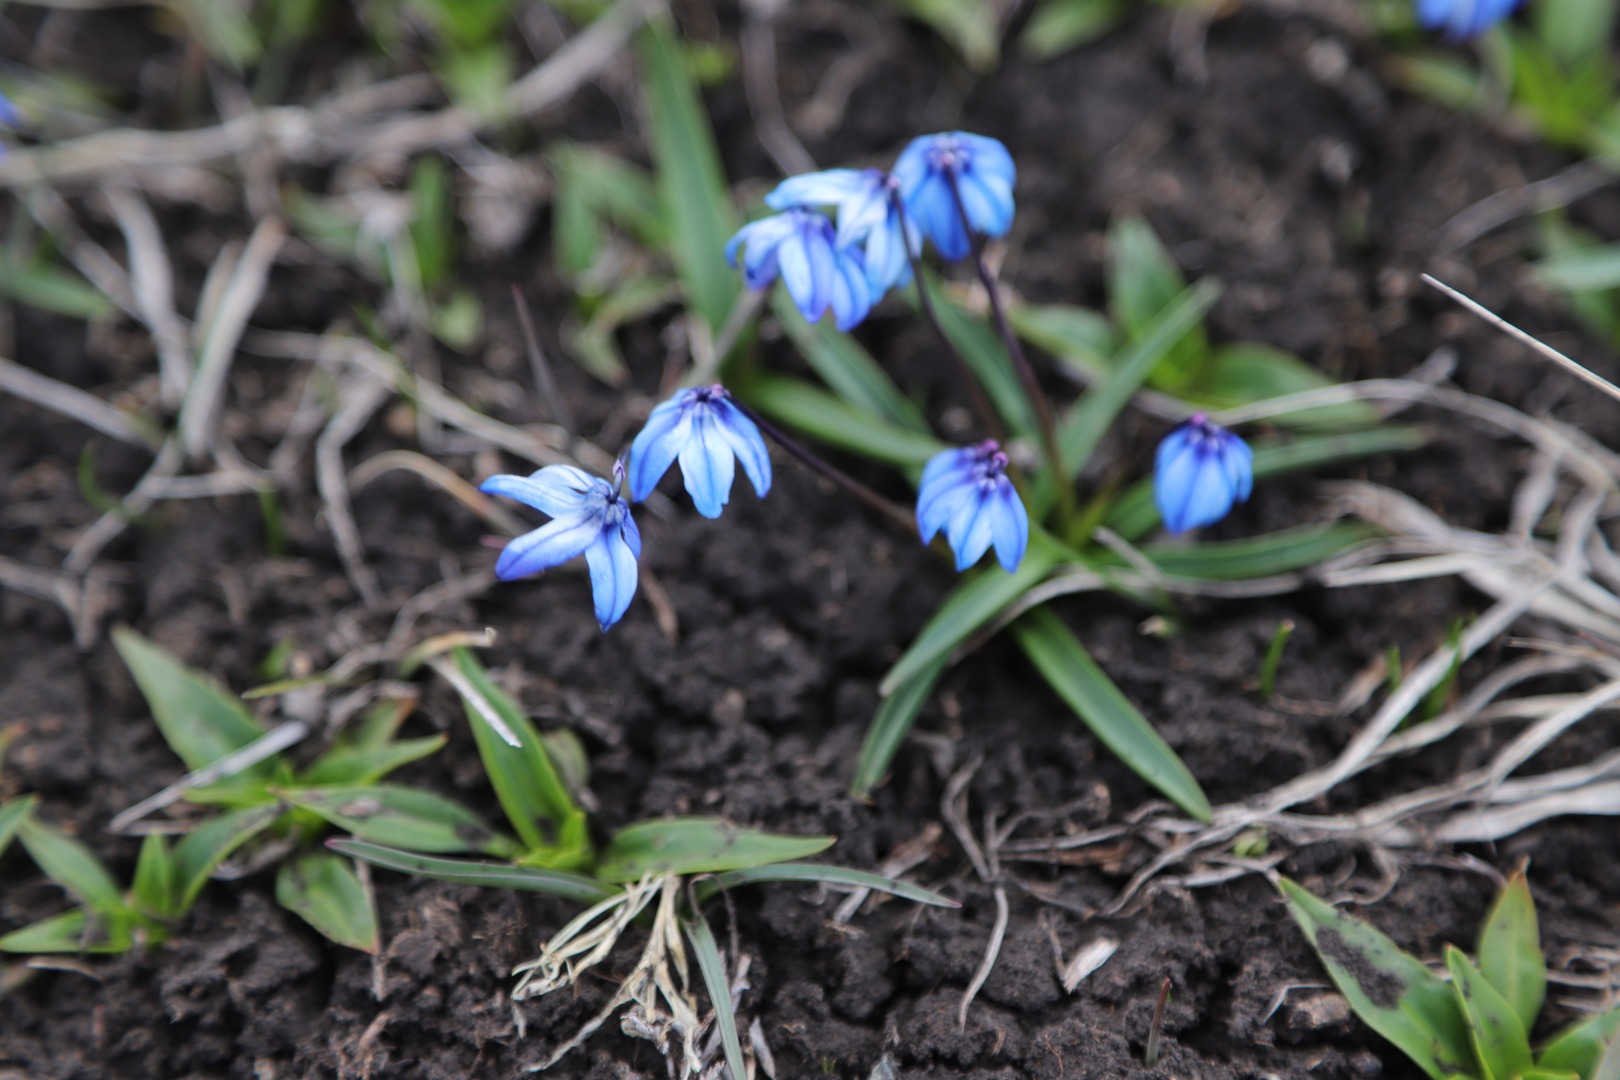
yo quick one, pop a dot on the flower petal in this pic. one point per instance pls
(933, 207)
(707, 467)
(668, 427)
(555, 490)
(742, 435)
(552, 544)
(851, 296)
(613, 575)
(988, 203)
(826, 188)
(1009, 526)
(971, 530)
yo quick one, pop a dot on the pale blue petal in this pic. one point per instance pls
(552, 544)
(555, 490)
(911, 167)
(707, 467)
(988, 202)
(799, 278)
(988, 156)
(851, 297)
(971, 531)
(886, 261)
(945, 464)
(668, 427)
(861, 212)
(630, 534)
(613, 576)
(1009, 526)
(825, 188)
(1238, 461)
(933, 208)
(940, 507)
(823, 267)
(741, 434)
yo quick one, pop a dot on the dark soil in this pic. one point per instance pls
(1274, 155)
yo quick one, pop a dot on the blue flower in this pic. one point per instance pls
(1462, 19)
(1201, 470)
(709, 434)
(867, 211)
(799, 246)
(589, 517)
(966, 492)
(934, 169)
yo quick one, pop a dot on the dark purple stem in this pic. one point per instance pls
(1026, 374)
(970, 382)
(905, 522)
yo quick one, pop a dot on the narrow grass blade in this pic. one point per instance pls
(1060, 658)
(200, 720)
(1143, 281)
(1256, 556)
(71, 865)
(526, 781)
(1499, 1039)
(1390, 990)
(821, 873)
(202, 850)
(1510, 956)
(889, 727)
(74, 931)
(469, 872)
(972, 604)
(324, 891)
(1133, 514)
(366, 765)
(691, 183)
(12, 814)
(713, 968)
(697, 846)
(1075, 335)
(847, 368)
(807, 408)
(153, 890)
(402, 817)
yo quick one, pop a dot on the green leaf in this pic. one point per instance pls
(351, 764)
(1256, 556)
(1549, 1074)
(202, 850)
(691, 183)
(432, 227)
(1581, 271)
(402, 817)
(489, 875)
(1608, 1066)
(13, 812)
(1061, 25)
(224, 29)
(1077, 336)
(324, 891)
(1573, 30)
(548, 821)
(610, 187)
(889, 727)
(54, 289)
(1499, 1038)
(154, 888)
(1579, 1047)
(1389, 990)
(697, 846)
(200, 720)
(76, 931)
(980, 597)
(1142, 281)
(71, 865)
(847, 368)
(1510, 952)
(968, 25)
(477, 78)
(821, 874)
(807, 408)
(713, 969)
(1060, 658)
(985, 356)
(1248, 372)
(1133, 514)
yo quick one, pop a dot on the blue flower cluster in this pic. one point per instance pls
(700, 428)
(1462, 19)
(966, 493)
(945, 188)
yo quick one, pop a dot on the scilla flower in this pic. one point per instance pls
(709, 435)
(798, 246)
(1201, 470)
(966, 492)
(1464, 18)
(589, 517)
(867, 215)
(934, 169)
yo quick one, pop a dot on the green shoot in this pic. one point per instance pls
(1273, 659)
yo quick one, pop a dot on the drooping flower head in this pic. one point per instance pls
(589, 517)
(799, 246)
(1463, 19)
(709, 435)
(966, 492)
(1200, 471)
(935, 168)
(868, 214)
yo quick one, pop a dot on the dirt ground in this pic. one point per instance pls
(1272, 152)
